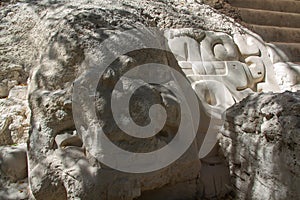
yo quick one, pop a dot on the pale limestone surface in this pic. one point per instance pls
(15, 117)
(13, 172)
(13, 161)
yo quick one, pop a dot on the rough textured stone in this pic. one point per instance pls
(261, 139)
(13, 172)
(13, 162)
(16, 49)
(14, 119)
(13, 191)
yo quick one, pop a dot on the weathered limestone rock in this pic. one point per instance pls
(16, 59)
(15, 125)
(5, 136)
(261, 139)
(18, 92)
(15, 117)
(13, 162)
(13, 191)
(16, 49)
(13, 172)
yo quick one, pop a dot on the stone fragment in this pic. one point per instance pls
(14, 120)
(13, 161)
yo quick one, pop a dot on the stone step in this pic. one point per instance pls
(277, 34)
(292, 50)
(270, 18)
(274, 5)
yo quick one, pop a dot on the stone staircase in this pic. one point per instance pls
(276, 21)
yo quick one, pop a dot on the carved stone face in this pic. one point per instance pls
(240, 62)
(222, 70)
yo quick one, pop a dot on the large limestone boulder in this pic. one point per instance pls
(261, 139)
(67, 43)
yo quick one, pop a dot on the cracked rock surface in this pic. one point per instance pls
(261, 140)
